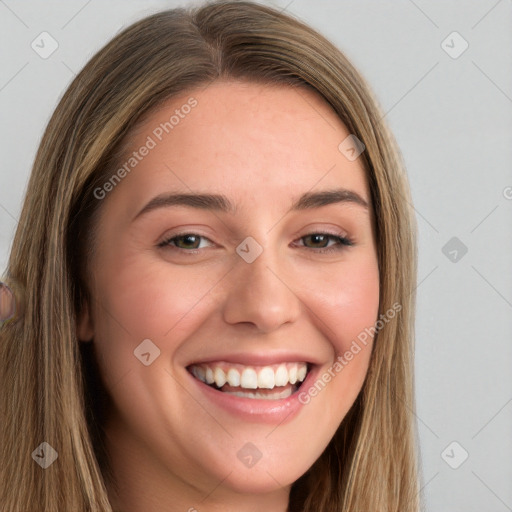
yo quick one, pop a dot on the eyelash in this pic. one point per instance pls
(343, 242)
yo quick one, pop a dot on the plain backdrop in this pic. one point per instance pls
(442, 73)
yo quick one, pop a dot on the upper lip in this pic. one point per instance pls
(257, 359)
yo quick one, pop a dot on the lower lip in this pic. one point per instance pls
(255, 409)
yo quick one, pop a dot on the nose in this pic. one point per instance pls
(261, 293)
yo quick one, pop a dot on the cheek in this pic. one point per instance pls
(345, 309)
(347, 302)
(142, 298)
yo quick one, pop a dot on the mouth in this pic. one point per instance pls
(269, 382)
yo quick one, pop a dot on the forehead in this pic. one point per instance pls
(243, 139)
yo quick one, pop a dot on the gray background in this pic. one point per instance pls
(453, 120)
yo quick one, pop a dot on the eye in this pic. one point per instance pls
(184, 241)
(326, 242)
(320, 242)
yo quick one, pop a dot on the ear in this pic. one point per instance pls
(84, 324)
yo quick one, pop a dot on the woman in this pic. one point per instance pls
(215, 266)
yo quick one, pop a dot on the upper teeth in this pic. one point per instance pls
(250, 377)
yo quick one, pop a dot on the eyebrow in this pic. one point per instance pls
(221, 203)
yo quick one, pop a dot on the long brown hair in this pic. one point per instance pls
(46, 378)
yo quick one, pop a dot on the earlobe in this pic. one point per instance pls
(84, 325)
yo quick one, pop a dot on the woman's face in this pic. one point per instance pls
(243, 270)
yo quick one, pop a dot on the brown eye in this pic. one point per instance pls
(317, 240)
(322, 242)
(187, 241)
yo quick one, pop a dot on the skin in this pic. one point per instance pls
(7, 305)
(262, 146)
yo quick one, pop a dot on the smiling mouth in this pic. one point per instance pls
(270, 382)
